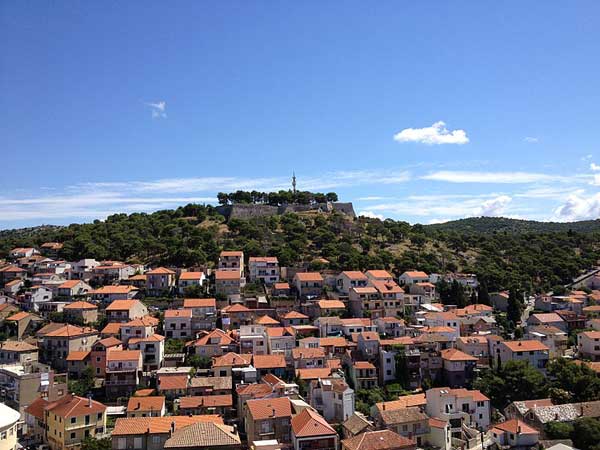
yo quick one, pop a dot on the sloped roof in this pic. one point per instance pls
(378, 440)
(269, 408)
(158, 425)
(204, 435)
(309, 423)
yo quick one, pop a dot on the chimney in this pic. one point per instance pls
(172, 427)
(89, 402)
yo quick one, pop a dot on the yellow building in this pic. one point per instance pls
(71, 419)
(8, 427)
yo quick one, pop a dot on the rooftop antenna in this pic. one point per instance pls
(294, 182)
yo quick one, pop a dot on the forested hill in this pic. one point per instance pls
(503, 224)
(531, 255)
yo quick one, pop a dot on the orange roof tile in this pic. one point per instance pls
(308, 276)
(270, 408)
(80, 305)
(453, 354)
(309, 423)
(206, 401)
(269, 361)
(227, 275)
(228, 253)
(145, 404)
(232, 359)
(170, 382)
(71, 331)
(113, 290)
(199, 303)
(525, 346)
(177, 313)
(74, 406)
(158, 425)
(122, 305)
(191, 276)
(160, 271)
(123, 355)
(77, 355)
(18, 316)
(381, 274)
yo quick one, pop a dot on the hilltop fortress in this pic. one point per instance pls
(247, 211)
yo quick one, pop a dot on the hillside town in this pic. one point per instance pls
(246, 354)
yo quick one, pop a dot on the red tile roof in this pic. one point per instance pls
(308, 276)
(269, 361)
(199, 303)
(158, 425)
(308, 423)
(145, 404)
(262, 409)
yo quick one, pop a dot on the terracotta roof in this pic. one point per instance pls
(191, 276)
(308, 423)
(70, 284)
(204, 435)
(143, 392)
(387, 287)
(232, 359)
(269, 408)
(255, 390)
(145, 404)
(227, 253)
(75, 355)
(199, 303)
(308, 276)
(169, 382)
(123, 355)
(206, 401)
(416, 274)
(307, 353)
(238, 307)
(73, 406)
(515, 426)
(313, 374)
(71, 331)
(146, 321)
(405, 401)
(281, 286)
(52, 326)
(354, 275)
(333, 341)
(329, 304)
(357, 423)
(80, 305)
(294, 315)
(227, 275)
(112, 328)
(109, 342)
(152, 338)
(379, 274)
(158, 425)
(378, 440)
(267, 259)
(266, 320)
(279, 331)
(122, 305)
(525, 346)
(208, 336)
(37, 408)
(453, 354)
(363, 365)
(591, 334)
(17, 346)
(437, 423)
(18, 316)
(176, 313)
(269, 361)
(475, 394)
(113, 290)
(160, 271)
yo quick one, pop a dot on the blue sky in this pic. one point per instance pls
(420, 111)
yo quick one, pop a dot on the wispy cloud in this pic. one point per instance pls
(436, 134)
(159, 109)
(492, 177)
(100, 199)
(594, 167)
(370, 199)
(531, 139)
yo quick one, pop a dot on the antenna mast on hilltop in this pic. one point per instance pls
(294, 182)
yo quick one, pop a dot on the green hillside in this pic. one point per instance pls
(502, 252)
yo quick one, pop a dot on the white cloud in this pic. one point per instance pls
(594, 167)
(494, 206)
(371, 215)
(369, 199)
(531, 139)
(579, 207)
(491, 177)
(159, 109)
(434, 135)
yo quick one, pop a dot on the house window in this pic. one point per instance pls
(122, 443)
(73, 435)
(266, 426)
(73, 419)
